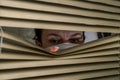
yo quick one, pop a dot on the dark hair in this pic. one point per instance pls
(38, 35)
(84, 36)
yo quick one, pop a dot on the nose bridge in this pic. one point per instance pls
(66, 37)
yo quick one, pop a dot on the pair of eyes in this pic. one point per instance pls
(59, 41)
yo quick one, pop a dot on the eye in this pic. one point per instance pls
(75, 40)
(55, 41)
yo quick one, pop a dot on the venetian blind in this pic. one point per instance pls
(96, 60)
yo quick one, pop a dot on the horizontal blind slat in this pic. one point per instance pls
(94, 49)
(35, 73)
(108, 2)
(21, 56)
(31, 15)
(19, 48)
(101, 47)
(90, 54)
(41, 7)
(112, 77)
(84, 5)
(59, 62)
(52, 25)
(102, 76)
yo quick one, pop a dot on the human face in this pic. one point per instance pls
(54, 37)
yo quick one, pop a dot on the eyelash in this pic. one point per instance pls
(58, 41)
(55, 41)
(75, 40)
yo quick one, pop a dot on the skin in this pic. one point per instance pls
(54, 37)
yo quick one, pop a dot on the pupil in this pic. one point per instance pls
(54, 41)
(74, 41)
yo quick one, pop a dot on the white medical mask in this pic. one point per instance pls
(62, 46)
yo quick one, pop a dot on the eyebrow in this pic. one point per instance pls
(76, 34)
(52, 34)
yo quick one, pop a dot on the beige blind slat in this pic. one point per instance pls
(37, 73)
(55, 21)
(90, 54)
(102, 47)
(42, 7)
(108, 2)
(82, 76)
(31, 15)
(14, 47)
(59, 62)
(114, 77)
(52, 25)
(22, 56)
(84, 5)
(96, 48)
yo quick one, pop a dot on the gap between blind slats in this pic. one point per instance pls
(89, 54)
(89, 49)
(80, 50)
(59, 26)
(89, 45)
(30, 15)
(41, 7)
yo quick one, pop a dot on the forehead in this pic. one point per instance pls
(60, 32)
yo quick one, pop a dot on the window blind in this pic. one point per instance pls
(61, 15)
(96, 60)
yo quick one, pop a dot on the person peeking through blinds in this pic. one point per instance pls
(55, 40)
